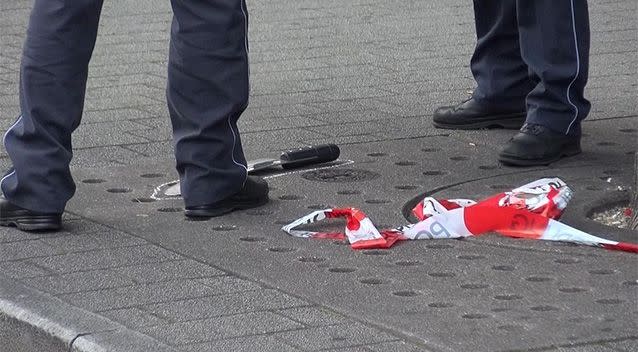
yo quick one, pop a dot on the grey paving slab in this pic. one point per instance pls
(312, 316)
(30, 319)
(134, 317)
(245, 344)
(258, 323)
(26, 249)
(104, 259)
(338, 336)
(122, 297)
(448, 294)
(78, 282)
(221, 305)
(625, 345)
(127, 340)
(23, 269)
(172, 270)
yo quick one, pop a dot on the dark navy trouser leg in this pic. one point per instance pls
(500, 72)
(554, 37)
(59, 43)
(207, 92)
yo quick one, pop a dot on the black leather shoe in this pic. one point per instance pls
(538, 145)
(28, 220)
(253, 194)
(470, 115)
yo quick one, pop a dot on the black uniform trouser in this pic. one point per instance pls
(534, 54)
(207, 91)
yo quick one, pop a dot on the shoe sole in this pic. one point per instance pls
(32, 223)
(513, 161)
(508, 122)
(212, 213)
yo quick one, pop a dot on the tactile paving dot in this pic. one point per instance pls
(377, 201)
(348, 192)
(281, 249)
(501, 187)
(224, 228)
(572, 289)
(156, 175)
(405, 163)
(439, 246)
(544, 308)
(143, 200)
(93, 180)
(170, 210)
(406, 187)
(408, 263)
(342, 270)
(311, 259)
(434, 173)
(602, 272)
(119, 190)
(259, 212)
(577, 320)
(252, 239)
(340, 175)
(538, 279)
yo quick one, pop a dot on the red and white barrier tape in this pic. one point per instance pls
(530, 211)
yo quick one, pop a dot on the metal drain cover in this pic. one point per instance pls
(340, 175)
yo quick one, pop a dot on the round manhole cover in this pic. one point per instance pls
(340, 175)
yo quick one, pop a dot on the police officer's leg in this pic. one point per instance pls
(57, 50)
(554, 38)
(502, 81)
(500, 73)
(555, 45)
(207, 92)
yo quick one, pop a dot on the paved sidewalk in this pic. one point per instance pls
(129, 273)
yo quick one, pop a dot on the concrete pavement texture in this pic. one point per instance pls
(130, 273)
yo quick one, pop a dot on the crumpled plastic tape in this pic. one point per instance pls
(530, 211)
